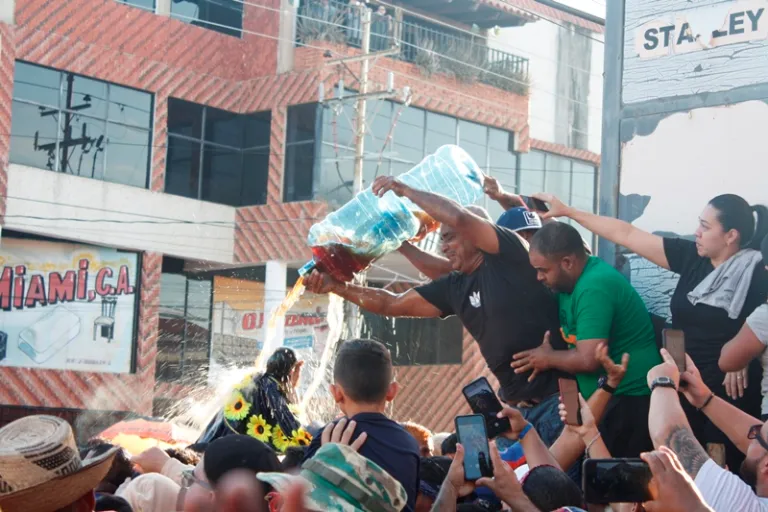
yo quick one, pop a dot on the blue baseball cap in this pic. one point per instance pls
(519, 219)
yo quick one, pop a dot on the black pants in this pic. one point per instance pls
(624, 426)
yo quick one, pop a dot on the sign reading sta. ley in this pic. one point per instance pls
(701, 28)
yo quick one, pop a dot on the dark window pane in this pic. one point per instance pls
(500, 139)
(82, 146)
(199, 302)
(223, 127)
(337, 172)
(185, 118)
(225, 16)
(129, 106)
(255, 171)
(257, 127)
(84, 96)
(183, 167)
(37, 84)
(301, 123)
(408, 144)
(173, 289)
(222, 175)
(127, 155)
(583, 186)
(299, 164)
(473, 138)
(33, 137)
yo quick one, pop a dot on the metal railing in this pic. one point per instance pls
(434, 50)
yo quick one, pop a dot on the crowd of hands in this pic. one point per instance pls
(672, 488)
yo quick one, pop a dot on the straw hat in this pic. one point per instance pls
(40, 467)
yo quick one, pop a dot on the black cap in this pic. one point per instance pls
(238, 452)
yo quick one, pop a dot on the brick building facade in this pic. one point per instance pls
(157, 52)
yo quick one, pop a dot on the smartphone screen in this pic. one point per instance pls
(569, 395)
(674, 342)
(477, 454)
(616, 481)
(482, 400)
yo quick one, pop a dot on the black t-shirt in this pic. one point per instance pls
(706, 328)
(390, 446)
(506, 309)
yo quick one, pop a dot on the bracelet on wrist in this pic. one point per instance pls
(706, 402)
(592, 442)
(524, 432)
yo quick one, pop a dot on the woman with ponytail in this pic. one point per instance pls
(709, 311)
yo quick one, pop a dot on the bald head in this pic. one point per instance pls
(479, 211)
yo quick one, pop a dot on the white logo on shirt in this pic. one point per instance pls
(474, 299)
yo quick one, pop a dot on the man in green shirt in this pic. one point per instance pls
(597, 305)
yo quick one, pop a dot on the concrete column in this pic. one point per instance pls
(287, 35)
(7, 10)
(163, 7)
(274, 293)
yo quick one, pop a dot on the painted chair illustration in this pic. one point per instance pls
(106, 322)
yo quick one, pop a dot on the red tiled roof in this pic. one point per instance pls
(545, 11)
(559, 149)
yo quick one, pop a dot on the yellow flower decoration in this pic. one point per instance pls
(279, 440)
(258, 428)
(236, 408)
(301, 438)
(246, 382)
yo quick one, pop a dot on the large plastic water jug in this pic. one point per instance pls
(368, 227)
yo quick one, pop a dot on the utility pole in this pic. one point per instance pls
(352, 312)
(362, 102)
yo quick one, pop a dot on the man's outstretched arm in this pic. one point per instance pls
(375, 300)
(431, 265)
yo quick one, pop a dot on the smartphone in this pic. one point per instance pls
(482, 400)
(616, 481)
(674, 341)
(473, 436)
(534, 204)
(569, 396)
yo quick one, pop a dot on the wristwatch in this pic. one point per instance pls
(663, 382)
(602, 383)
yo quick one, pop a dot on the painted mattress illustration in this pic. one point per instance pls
(49, 334)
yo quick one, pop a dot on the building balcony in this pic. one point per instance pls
(433, 48)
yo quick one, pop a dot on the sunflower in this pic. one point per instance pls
(301, 438)
(258, 428)
(246, 382)
(236, 408)
(279, 440)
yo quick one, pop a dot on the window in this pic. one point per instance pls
(573, 181)
(148, 5)
(300, 152)
(502, 165)
(184, 340)
(80, 126)
(225, 16)
(217, 156)
(416, 341)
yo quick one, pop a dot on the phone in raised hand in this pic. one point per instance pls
(482, 400)
(473, 436)
(569, 396)
(607, 481)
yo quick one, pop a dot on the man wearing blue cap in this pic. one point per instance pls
(490, 286)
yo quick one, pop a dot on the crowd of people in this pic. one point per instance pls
(541, 309)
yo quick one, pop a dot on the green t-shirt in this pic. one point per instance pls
(604, 305)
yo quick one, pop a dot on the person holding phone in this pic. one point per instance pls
(724, 250)
(597, 306)
(492, 289)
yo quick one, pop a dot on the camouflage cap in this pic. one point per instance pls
(340, 479)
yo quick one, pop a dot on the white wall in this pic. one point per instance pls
(148, 221)
(538, 42)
